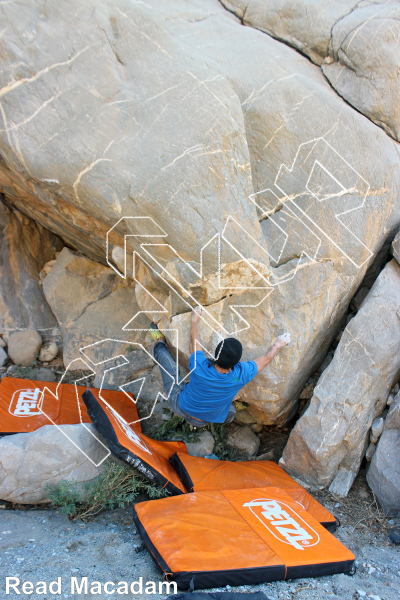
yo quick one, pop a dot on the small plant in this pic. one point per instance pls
(220, 434)
(117, 486)
(178, 428)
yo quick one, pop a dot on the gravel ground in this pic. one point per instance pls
(41, 545)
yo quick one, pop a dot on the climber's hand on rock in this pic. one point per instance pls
(197, 312)
(282, 339)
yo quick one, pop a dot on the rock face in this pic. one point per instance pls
(24, 346)
(356, 43)
(92, 304)
(265, 194)
(329, 441)
(384, 472)
(24, 247)
(31, 461)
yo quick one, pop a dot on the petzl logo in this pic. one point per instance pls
(25, 403)
(284, 524)
(132, 435)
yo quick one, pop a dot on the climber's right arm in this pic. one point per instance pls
(194, 332)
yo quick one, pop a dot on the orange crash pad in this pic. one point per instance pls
(26, 405)
(237, 537)
(150, 457)
(204, 474)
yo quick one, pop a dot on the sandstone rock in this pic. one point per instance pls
(342, 482)
(48, 352)
(376, 429)
(24, 247)
(384, 472)
(270, 455)
(102, 180)
(154, 152)
(136, 370)
(3, 344)
(305, 25)
(355, 42)
(390, 399)
(45, 375)
(396, 247)
(244, 442)
(370, 452)
(273, 393)
(31, 461)
(3, 357)
(363, 56)
(203, 447)
(328, 443)
(92, 304)
(74, 283)
(256, 427)
(23, 347)
(243, 416)
(99, 329)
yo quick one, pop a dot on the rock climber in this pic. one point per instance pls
(208, 397)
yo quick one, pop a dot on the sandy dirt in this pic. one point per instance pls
(41, 545)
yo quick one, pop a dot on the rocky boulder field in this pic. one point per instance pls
(242, 155)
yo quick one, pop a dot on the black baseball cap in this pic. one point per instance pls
(228, 353)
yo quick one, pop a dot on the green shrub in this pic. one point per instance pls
(178, 428)
(117, 486)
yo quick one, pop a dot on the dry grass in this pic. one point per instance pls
(359, 510)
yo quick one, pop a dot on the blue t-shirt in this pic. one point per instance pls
(209, 393)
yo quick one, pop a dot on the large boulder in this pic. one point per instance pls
(329, 441)
(31, 461)
(384, 472)
(356, 43)
(262, 193)
(24, 248)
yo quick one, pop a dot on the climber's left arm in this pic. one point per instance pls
(264, 360)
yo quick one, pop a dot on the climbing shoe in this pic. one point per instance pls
(155, 332)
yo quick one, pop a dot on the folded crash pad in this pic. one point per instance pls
(203, 474)
(150, 457)
(237, 537)
(26, 405)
